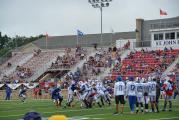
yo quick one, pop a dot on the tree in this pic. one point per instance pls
(3, 40)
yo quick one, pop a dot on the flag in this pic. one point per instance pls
(162, 12)
(79, 33)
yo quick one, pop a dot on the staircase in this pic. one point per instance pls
(80, 63)
(41, 63)
(108, 70)
(167, 71)
(124, 54)
(42, 70)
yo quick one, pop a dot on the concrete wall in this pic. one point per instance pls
(88, 40)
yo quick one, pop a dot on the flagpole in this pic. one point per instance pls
(46, 41)
(160, 20)
(77, 39)
(111, 36)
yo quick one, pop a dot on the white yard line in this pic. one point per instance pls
(58, 112)
(165, 118)
(83, 115)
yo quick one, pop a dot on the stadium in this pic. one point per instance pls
(77, 76)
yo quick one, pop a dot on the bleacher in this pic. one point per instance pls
(10, 65)
(70, 58)
(144, 63)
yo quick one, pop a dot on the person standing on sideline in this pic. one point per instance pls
(176, 91)
(169, 87)
(152, 94)
(139, 94)
(8, 93)
(119, 91)
(131, 93)
(158, 90)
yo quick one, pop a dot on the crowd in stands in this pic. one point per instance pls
(94, 66)
(69, 59)
(23, 72)
(19, 75)
(20, 72)
(37, 52)
(142, 63)
(146, 63)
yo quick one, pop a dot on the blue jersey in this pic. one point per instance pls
(56, 93)
(73, 87)
(8, 90)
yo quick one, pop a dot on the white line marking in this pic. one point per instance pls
(76, 111)
(165, 118)
(59, 111)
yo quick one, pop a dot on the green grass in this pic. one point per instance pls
(14, 110)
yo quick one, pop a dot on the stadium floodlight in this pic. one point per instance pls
(100, 4)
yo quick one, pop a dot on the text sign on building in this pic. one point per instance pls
(165, 43)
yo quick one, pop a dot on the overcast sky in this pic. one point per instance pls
(64, 17)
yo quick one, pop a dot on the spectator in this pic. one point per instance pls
(165, 49)
(171, 48)
(9, 64)
(40, 93)
(8, 92)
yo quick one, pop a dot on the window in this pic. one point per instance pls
(167, 35)
(158, 36)
(177, 35)
(155, 36)
(170, 35)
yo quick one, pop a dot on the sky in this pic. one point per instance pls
(64, 17)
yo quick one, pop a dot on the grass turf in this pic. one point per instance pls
(15, 110)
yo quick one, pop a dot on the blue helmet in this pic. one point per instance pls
(131, 78)
(119, 78)
(32, 116)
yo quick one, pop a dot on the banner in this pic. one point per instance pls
(165, 43)
(1, 85)
(14, 86)
(30, 85)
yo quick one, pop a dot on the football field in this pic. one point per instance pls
(15, 110)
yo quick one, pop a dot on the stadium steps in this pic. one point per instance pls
(44, 67)
(124, 54)
(172, 66)
(108, 70)
(80, 63)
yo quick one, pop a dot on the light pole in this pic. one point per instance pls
(100, 4)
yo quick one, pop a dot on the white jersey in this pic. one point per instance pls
(84, 88)
(99, 88)
(70, 91)
(119, 88)
(152, 88)
(131, 88)
(140, 89)
(168, 86)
